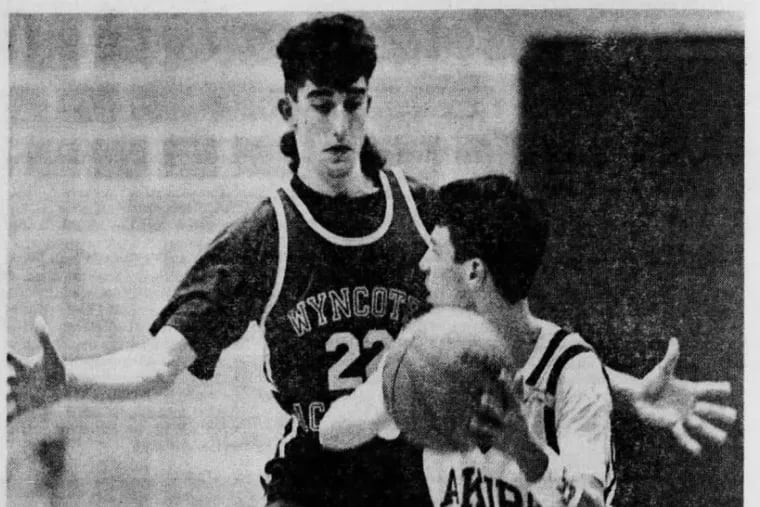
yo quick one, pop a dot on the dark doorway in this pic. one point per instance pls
(637, 145)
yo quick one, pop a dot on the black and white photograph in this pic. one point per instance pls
(403, 256)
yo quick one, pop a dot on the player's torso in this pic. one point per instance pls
(484, 479)
(342, 301)
(475, 479)
(491, 478)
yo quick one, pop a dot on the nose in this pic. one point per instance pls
(424, 263)
(340, 122)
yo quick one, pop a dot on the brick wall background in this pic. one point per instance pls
(134, 138)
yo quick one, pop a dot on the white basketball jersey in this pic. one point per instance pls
(489, 478)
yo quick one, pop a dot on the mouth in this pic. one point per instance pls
(338, 149)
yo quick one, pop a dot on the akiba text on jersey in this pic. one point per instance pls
(471, 488)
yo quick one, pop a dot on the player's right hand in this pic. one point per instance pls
(38, 381)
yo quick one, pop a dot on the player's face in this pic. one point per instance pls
(330, 128)
(445, 278)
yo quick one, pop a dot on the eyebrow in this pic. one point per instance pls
(328, 92)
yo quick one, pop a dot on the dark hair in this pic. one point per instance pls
(332, 51)
(494, 219)
(370, 158)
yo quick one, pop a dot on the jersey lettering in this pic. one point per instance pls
(335, 382)
(299, 319)
(340, 304)
(361, 309)
(309, 419)
(379, 301)
(318, 305)
(298, 412)
(398, 298)
(472, 487)
(476, 488)
(316, 411)
(347, 302)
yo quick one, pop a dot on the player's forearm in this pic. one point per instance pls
(145, 370)
(357, 418)
(555, 486)
(346, 426)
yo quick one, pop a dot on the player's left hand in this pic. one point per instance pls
(680, 405)
(498, 421)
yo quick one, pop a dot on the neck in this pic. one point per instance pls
(353, 184)
(514, 322)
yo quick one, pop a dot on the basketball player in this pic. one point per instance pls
(545, 438)
(548, 440)
(327, 265)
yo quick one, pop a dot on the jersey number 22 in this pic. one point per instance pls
(334, 380)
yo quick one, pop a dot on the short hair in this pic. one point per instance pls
(331, 51)
(494, 219)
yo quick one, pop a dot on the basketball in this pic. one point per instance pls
(436, 372)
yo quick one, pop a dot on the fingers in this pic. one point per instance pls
(712, 388)
(490, 409)
(10, 403)
(721, 413)
(668, 363)
(686, 440)
(706, 429)
(17, 364)
(41, 329)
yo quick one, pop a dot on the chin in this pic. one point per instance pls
(340, 171)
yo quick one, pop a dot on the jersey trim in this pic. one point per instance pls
(342, 240)
(282, 258)
(548, 353)
(282, 261)
(550, 423)
(407, 193)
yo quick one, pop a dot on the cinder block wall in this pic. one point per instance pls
(135, 138)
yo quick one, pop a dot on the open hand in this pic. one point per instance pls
(680, 405)
(38, 381)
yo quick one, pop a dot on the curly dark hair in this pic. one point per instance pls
(492, 218)
(332, 51)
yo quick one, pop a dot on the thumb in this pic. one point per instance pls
(43, 335)
(668, 363)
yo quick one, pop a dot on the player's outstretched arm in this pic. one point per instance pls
(682, 406)
(147, 369)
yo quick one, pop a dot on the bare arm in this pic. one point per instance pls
(147, 369)
(358, 417)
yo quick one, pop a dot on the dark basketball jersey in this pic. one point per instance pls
(338, 301)
(329, 305)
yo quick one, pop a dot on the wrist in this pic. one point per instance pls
(531, 459)
(624, 386)
(556, 486)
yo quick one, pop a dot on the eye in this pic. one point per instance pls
(323, 106)
(352, 105)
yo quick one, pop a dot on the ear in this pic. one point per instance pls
(285, 107)
(475, 273)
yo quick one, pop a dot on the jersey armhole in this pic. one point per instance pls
(407, 193)
(282, 255)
